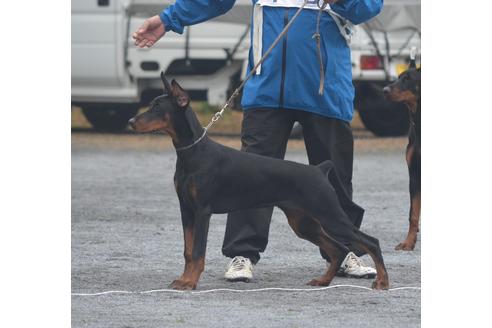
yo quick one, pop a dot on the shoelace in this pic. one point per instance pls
(354, 261)
(238, 263)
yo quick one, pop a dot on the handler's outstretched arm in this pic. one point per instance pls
(150, 32)
(177, 16)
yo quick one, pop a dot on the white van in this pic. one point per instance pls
(111, 78)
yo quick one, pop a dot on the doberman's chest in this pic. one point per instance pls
(192, 185)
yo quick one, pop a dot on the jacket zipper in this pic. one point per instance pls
(284, 60)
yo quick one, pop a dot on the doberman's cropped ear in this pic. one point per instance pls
(167, 86)
(413, 56)
(180, 95)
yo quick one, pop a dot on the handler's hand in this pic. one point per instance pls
(149, 33)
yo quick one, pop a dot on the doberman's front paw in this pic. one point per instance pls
(405, 246)
(182, 285)
(319, 282)
(380, 284)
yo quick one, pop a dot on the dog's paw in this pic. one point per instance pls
(319, 282)
(182, 285)
(405, 246)
(380, 284)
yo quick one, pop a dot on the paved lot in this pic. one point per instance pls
(126, 235)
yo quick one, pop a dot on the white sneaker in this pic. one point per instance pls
(239, 269)
(353, 267)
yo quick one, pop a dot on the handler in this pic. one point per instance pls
(285, 89)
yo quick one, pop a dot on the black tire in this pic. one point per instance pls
(382, 117)
(109, 117)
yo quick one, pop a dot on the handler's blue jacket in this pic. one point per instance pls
(289, 77)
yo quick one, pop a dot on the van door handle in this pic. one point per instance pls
(103, 3)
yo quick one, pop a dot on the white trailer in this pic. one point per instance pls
(111, 78)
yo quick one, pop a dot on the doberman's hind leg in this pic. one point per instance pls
(340, 225)
(309, 229)
(371, 246)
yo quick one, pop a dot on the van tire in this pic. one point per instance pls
(109, 117)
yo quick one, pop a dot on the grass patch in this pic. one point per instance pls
(230, 123)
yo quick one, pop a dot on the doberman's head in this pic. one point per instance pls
(406, 88)
(164, 112)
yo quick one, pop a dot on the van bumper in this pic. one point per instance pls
(104, 95)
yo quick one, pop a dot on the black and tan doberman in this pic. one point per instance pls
(211, 178)
(407, 90)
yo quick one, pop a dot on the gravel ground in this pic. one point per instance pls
(126, 235)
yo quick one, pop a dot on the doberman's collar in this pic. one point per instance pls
(194, 143)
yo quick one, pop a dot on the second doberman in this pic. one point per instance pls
(407, 90)
(212, 178)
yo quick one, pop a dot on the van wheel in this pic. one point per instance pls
(109, 117)
(382, 117)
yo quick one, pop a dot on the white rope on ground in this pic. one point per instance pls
(236, 290)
